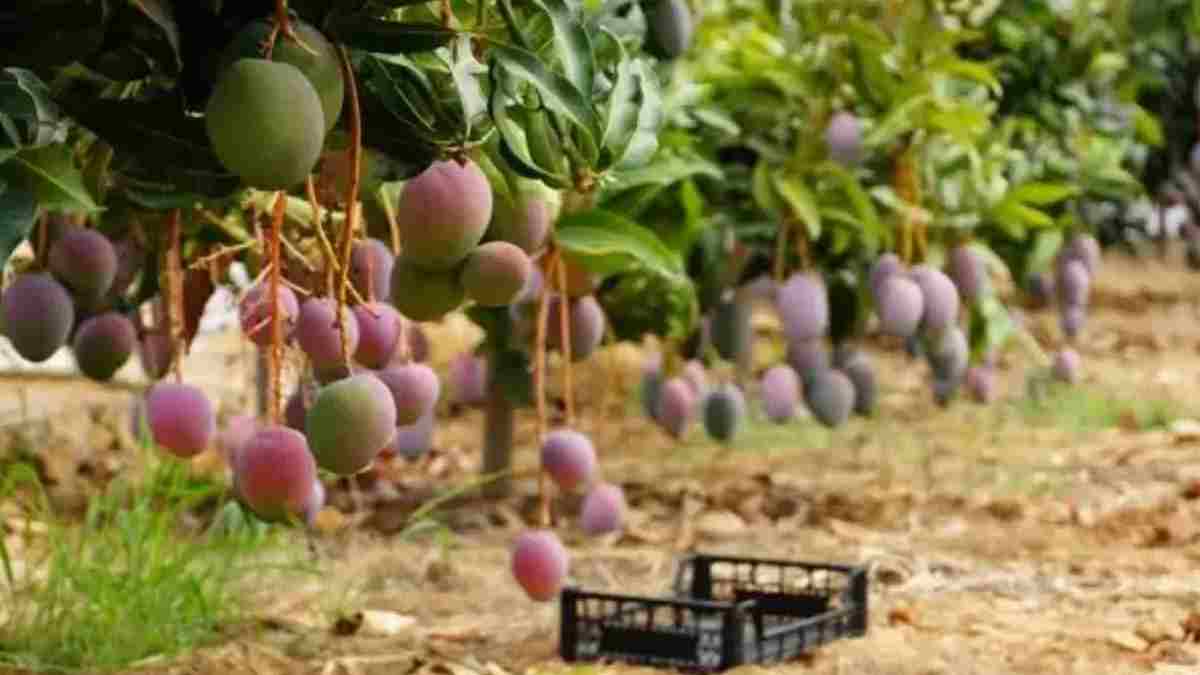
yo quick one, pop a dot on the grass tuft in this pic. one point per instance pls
(129, 584)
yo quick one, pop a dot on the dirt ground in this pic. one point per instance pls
(1021, 537)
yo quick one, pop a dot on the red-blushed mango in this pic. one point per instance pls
(1040, 288)
(539, 564)
(85, 262)
(939, 297)
(948, 354)
(275, 474)
(586, 321)
(569, 458)
(180, 418)
(379, 328)
(350, 422)
(468, 375)
(696, 376)
(237, 432)
(443, 214)
(495, 273)
(803, 306)
(1084, 248)
(1067, 365)
(155, 352)
(843, 138)
(830, 397)
(967, 272)
(780, 393)
(861, 372)
(265, 123)
(603, 510)
(425, 295)
(255, 315)
(899, 306)
(525, 220)
(1072, 283)
(724, 412)
(676, 406)
(103, 344)
(319, 335)
(649, 389)
(371, 266)
(317, 58)
(808, 357)
(412, 440)
(414, 389)
(1071, 320)
(885, 267)
(38, 315)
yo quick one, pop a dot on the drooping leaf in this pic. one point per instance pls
(800, 201)
(155, 141)
(28, 116)
(1043, 194)
(383, 36)
(605, 243)
(572, 44)
(514, 139)
(465, 70)
(665, 169)
(18, 211)
(556, 91)
(644, 143)
(621, 116)
(50, 174)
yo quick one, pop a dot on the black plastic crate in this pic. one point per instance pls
(725, 612)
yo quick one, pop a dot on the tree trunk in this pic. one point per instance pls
(498, 428)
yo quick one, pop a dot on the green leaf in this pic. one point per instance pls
(1147, 128)
(644, 144)
(990, 326)
(28, 117)
(382, 36)
(556, 91)
(51, 175)
(18, 211)
(465, 71)
(801, 202)
(861, 202)
(1016, 218)
(1043, 194)
(606, 243)
(902, 119)
(969, 70)
(621, 117)
(511, 122)
(763, 190)
(665, 169)
(571, 43)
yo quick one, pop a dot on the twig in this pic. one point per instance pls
(781, 241)
(221, 252)
(351, 193)
(283, 24)
(43, 237)
(297, 254)
(327, 252)
(539, 384)
(174, 303)
(276, 236)
(564, 327)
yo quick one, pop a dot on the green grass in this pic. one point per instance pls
(130, 583)
(1082, 409)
